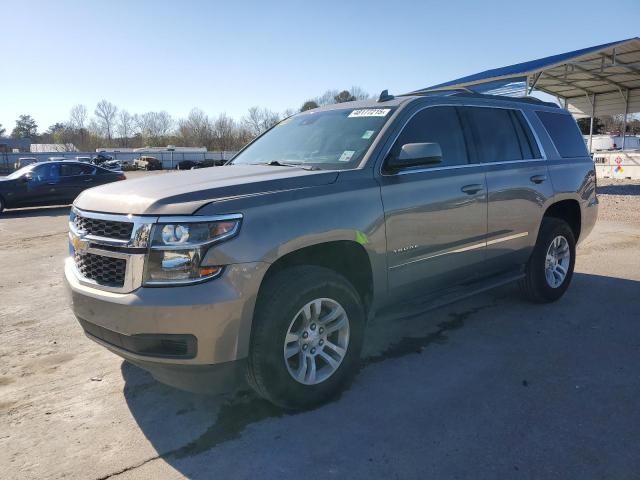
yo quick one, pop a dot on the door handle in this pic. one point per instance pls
(51, 183)
(538, 178)
(472, 189)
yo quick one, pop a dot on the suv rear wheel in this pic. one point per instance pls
(307, 337)
(550, 268)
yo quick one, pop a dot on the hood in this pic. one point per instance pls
(184, 192)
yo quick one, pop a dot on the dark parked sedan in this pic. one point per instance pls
(51, 183)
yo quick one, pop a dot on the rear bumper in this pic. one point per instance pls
(194, 326)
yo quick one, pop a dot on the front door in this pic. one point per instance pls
(436, 215)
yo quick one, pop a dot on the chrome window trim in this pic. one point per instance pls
(451, 167)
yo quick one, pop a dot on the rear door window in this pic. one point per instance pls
(528, 144)
(70, 170)
(436, 125)
(87, 169)
(564, 133)
(495, 134)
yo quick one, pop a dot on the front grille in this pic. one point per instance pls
(104, 228)
(106, 271)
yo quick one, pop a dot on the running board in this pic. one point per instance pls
(446, 297)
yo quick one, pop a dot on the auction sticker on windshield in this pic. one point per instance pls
(370, 112)
(346, 155)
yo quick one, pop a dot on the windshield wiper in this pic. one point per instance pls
(276, 163)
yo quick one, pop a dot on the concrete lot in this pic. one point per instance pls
(492, 387)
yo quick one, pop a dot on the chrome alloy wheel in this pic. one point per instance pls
(316, 341)
(556, 265)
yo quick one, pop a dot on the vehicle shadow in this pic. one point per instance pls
(53, 211)
(425, 396)
(619, 189)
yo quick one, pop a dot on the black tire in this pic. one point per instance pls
(1, 204)
(535, 285)
(280, 299)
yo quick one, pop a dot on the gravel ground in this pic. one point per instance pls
(490, 387)
(619, 200)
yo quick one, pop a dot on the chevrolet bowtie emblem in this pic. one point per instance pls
(79, 244)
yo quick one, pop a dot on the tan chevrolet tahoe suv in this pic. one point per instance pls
(268, 269)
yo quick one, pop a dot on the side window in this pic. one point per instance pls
(528, 144)
(45, 172)
(438, 125)
(564, 133)
(495, 134)
(41, 173)
(70, 170)
(87, 169)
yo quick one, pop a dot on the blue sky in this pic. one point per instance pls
(229, 56)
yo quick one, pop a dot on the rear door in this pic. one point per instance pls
(72, 181)
(517, 180)
(435, 215)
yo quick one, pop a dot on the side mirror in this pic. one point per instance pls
(27, 177)
(415, 155)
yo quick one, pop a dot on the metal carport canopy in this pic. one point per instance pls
(591, 82)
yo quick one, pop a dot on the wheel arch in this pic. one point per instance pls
(568, 210)
(345, 257)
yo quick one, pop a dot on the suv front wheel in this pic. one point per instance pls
(550, 268)
(307, 337)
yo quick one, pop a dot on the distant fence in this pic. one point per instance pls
(169, 159)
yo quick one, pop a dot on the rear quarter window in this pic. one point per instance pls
(564, 133)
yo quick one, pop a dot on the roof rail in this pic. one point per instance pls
(471, 94)
(504, 98)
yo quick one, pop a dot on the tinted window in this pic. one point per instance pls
(495, 134)
(87, 169)
(564, 132)
(436, 125)
(70, 169)
(528, 144)
(45, 172)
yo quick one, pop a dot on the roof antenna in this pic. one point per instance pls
(385, 97)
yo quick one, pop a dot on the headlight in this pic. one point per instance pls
(178, 246)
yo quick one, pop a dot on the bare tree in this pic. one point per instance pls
(196, 129)
(224, 132)
(78, 117)
(77, 121)
(106, 113)
(358, 93)
(327, 98)
(154, 126)
(288, 112)
(125, 127)
(259, 119)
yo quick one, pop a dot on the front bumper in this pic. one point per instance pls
(217, 314)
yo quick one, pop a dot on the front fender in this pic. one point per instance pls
(278, 223)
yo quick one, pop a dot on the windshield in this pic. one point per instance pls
(326, 139)
(18, 173)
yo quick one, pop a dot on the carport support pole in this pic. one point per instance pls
(593, 113)
(624, 120)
